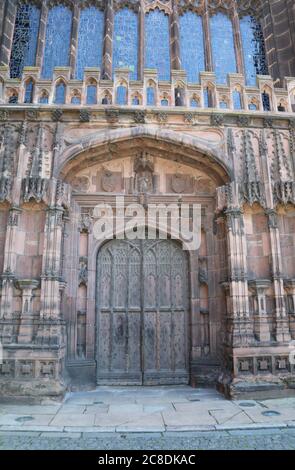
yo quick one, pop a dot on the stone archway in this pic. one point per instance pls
(142, 308)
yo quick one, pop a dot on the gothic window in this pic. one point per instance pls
(237, 101)
(58, 38)
(191, 45)
(76, 98)
(194, 103)
(13, 99)
(121, 95)
(135, 100)
(107, 98)
(29, 91)
(91, 94)
(208, 98)
(253, 49)
(223, 49)
(164, 102)
(90, 40)
(125, 41)
(44, 98)
(265, 101)
(25, 38)
(60, 93)
(150, 96)
(252, 107)
(157, 47)
(223, 104)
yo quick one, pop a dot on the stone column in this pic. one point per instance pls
(27, 286)
(174, 38)
(50, 298)
(207, 39)
(261, 324)
(238, 40)
(108, 41)
(2, 13)
(7, 31)
(290, 288)
(74, 38)
(41, 35)
(282, 326)
(242, 328)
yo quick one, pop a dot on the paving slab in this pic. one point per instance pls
(21, 419)
(66, 419)
(180, 420)
(69, 435)
(230, 417)
(143, 424)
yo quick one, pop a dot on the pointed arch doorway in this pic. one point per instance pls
(142, 305)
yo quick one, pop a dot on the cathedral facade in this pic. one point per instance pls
(158, 102)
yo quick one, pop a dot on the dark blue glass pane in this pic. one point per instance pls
(29, 92)
(91, 94)
(223, 49)
(121, 95)
(58, 38)
(60, 93)
(194, 103)
(157, 48)
(75, 100)
(253, 49)
(223, 105)
(43, 99)
(237, 100)
(252, 107)
(25, 38)
(126, 41)
(135, 101)
(265, 101)
(191, 45)
(90, 40)
(164, 102)
(150, 96)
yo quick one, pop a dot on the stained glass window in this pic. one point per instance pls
(29, 91)
(76, 99)
(135, 100)
(58, 38)
(25, 38)
(90, 40)
(91, 94)
(13, 99)
(191, 45)
(125, 41)
(44, 98)
(253, 49)
(157, 48)
(150, 98)
(223, 49)
(60, 93)
(164, 102)
(265, 101)
(194, 103)
(237, 101)
(121, 94)
(252, 107)
(223, 104)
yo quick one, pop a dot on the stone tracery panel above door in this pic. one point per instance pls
(124, 176)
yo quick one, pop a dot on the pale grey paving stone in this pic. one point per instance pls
(253, 426)
(12, 419)
(20, 433)
(230, 417)
(32, 428)
(63, 435)
(96, 409)
(92, 430)
(72, 409)
(31, 409)
(65, 419)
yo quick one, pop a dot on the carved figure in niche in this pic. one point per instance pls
(144, 174)
(81, 183)
(178, 183)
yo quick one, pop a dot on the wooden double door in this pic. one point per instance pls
(142, 313)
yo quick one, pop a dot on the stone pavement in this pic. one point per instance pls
(162, 410)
